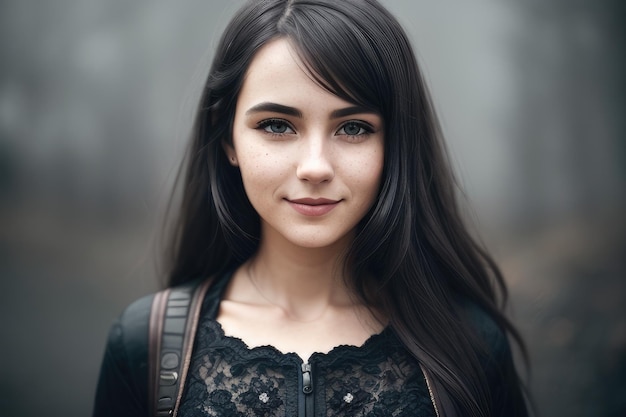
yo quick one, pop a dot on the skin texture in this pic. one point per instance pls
(312, 158)
(311, 170)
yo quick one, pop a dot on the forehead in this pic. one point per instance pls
(273, 61)
(276, 74)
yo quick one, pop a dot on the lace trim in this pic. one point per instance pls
(228, 378)
(339, 351)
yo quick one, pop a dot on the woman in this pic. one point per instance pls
(319, 203)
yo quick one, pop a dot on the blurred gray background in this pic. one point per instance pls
(96, 101)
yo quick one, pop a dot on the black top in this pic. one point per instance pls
(226, 378)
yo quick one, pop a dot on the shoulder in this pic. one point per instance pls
(130, 332)
(489, 333)
(128, 337)
(497, 362)
(122, 385)
(123, 382)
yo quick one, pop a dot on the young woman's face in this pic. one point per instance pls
(311, 162)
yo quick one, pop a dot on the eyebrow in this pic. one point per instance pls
(292, 111)
(274, 108)
(349, 111)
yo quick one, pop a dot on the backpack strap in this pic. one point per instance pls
(173, 324)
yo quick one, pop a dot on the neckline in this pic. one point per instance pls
(263, 350)
(336, 352)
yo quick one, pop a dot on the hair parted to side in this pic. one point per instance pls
(412, 248)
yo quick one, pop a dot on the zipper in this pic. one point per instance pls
(305, 406)
(430, 391)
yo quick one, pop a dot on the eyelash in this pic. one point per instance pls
(364, 128)
(264, 124)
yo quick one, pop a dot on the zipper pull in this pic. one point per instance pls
(307, 378)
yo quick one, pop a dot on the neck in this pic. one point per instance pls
(303, 282)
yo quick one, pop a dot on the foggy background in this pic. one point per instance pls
(96, 100)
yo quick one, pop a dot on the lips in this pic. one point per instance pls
(313, 206)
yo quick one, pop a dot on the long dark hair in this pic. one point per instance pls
(412, 249)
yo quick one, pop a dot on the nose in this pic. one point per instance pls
(315, 164)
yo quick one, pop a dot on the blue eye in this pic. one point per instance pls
(354, 129)
(275, 127)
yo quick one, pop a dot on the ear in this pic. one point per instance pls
(231, 154)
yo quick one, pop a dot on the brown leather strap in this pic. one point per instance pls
(444, 407)
(173, 323)
(190, 335)
(157, 315)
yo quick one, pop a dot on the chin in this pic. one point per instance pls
(319, 241)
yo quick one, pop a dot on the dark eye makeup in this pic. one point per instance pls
(281, 127)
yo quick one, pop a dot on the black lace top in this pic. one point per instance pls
(226, 378)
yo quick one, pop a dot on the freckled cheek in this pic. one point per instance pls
(262, 171)
(365, 172)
